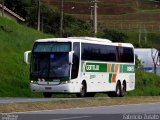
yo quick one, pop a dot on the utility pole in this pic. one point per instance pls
(91, 17)
(42, 23)
(139, 35)
(61, 19)
(39, 15)
(145, 32)
(95, 18)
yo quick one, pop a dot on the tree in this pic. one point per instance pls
(2, 2)
(50, 22)
(18, 6)
(155, 58)
(113, 35)
(50, 18)
(138, 63)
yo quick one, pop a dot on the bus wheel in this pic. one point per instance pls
(83, 92)
(117, 93)
(118, 89)
(123, 89)
(47, 94)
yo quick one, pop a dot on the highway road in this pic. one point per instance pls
(21, 100)
(150, 111)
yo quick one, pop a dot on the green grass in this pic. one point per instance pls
(14, 41)
(147, 84)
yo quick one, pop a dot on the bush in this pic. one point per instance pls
(147, 84)
(113, 35)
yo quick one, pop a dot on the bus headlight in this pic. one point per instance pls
(33, 82)
(65, 82)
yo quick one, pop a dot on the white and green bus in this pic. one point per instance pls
(81, 65)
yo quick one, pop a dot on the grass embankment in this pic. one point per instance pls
(14, 73)
(62, 104)
(147, 84)
(15, 39)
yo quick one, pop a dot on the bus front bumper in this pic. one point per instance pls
(61, 88)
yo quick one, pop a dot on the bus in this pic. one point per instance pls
(81, 65)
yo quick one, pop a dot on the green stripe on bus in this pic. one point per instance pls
(95, 67)
(110, 77)
(112, 68)
(128, 68)
(103, 67)
(121, 68)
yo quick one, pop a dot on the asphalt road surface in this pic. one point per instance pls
(21, 100)
(117, 112)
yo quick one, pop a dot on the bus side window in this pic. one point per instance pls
(127, 55)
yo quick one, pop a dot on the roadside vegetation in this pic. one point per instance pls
(123, 19)
(147, 84)
(15, 39)
(14, 77)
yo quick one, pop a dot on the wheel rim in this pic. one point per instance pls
(123, 90)
(83, 90)
(118, 89)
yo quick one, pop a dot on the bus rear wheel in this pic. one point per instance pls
(118, 91)
(47, 94)
(123, 89)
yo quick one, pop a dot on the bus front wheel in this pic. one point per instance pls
(83, 91)
(47, 94)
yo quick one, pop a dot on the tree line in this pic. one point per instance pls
(50, 20)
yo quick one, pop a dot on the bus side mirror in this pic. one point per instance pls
(71, 57)
(26, 54)
(159, 57)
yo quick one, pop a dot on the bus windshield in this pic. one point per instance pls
(50, 60)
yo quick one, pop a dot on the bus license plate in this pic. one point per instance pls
(48, 88)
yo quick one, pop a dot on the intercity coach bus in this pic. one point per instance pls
(81, 65)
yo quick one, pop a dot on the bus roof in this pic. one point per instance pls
(145, 49)
(92, 39)
(85, 40)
